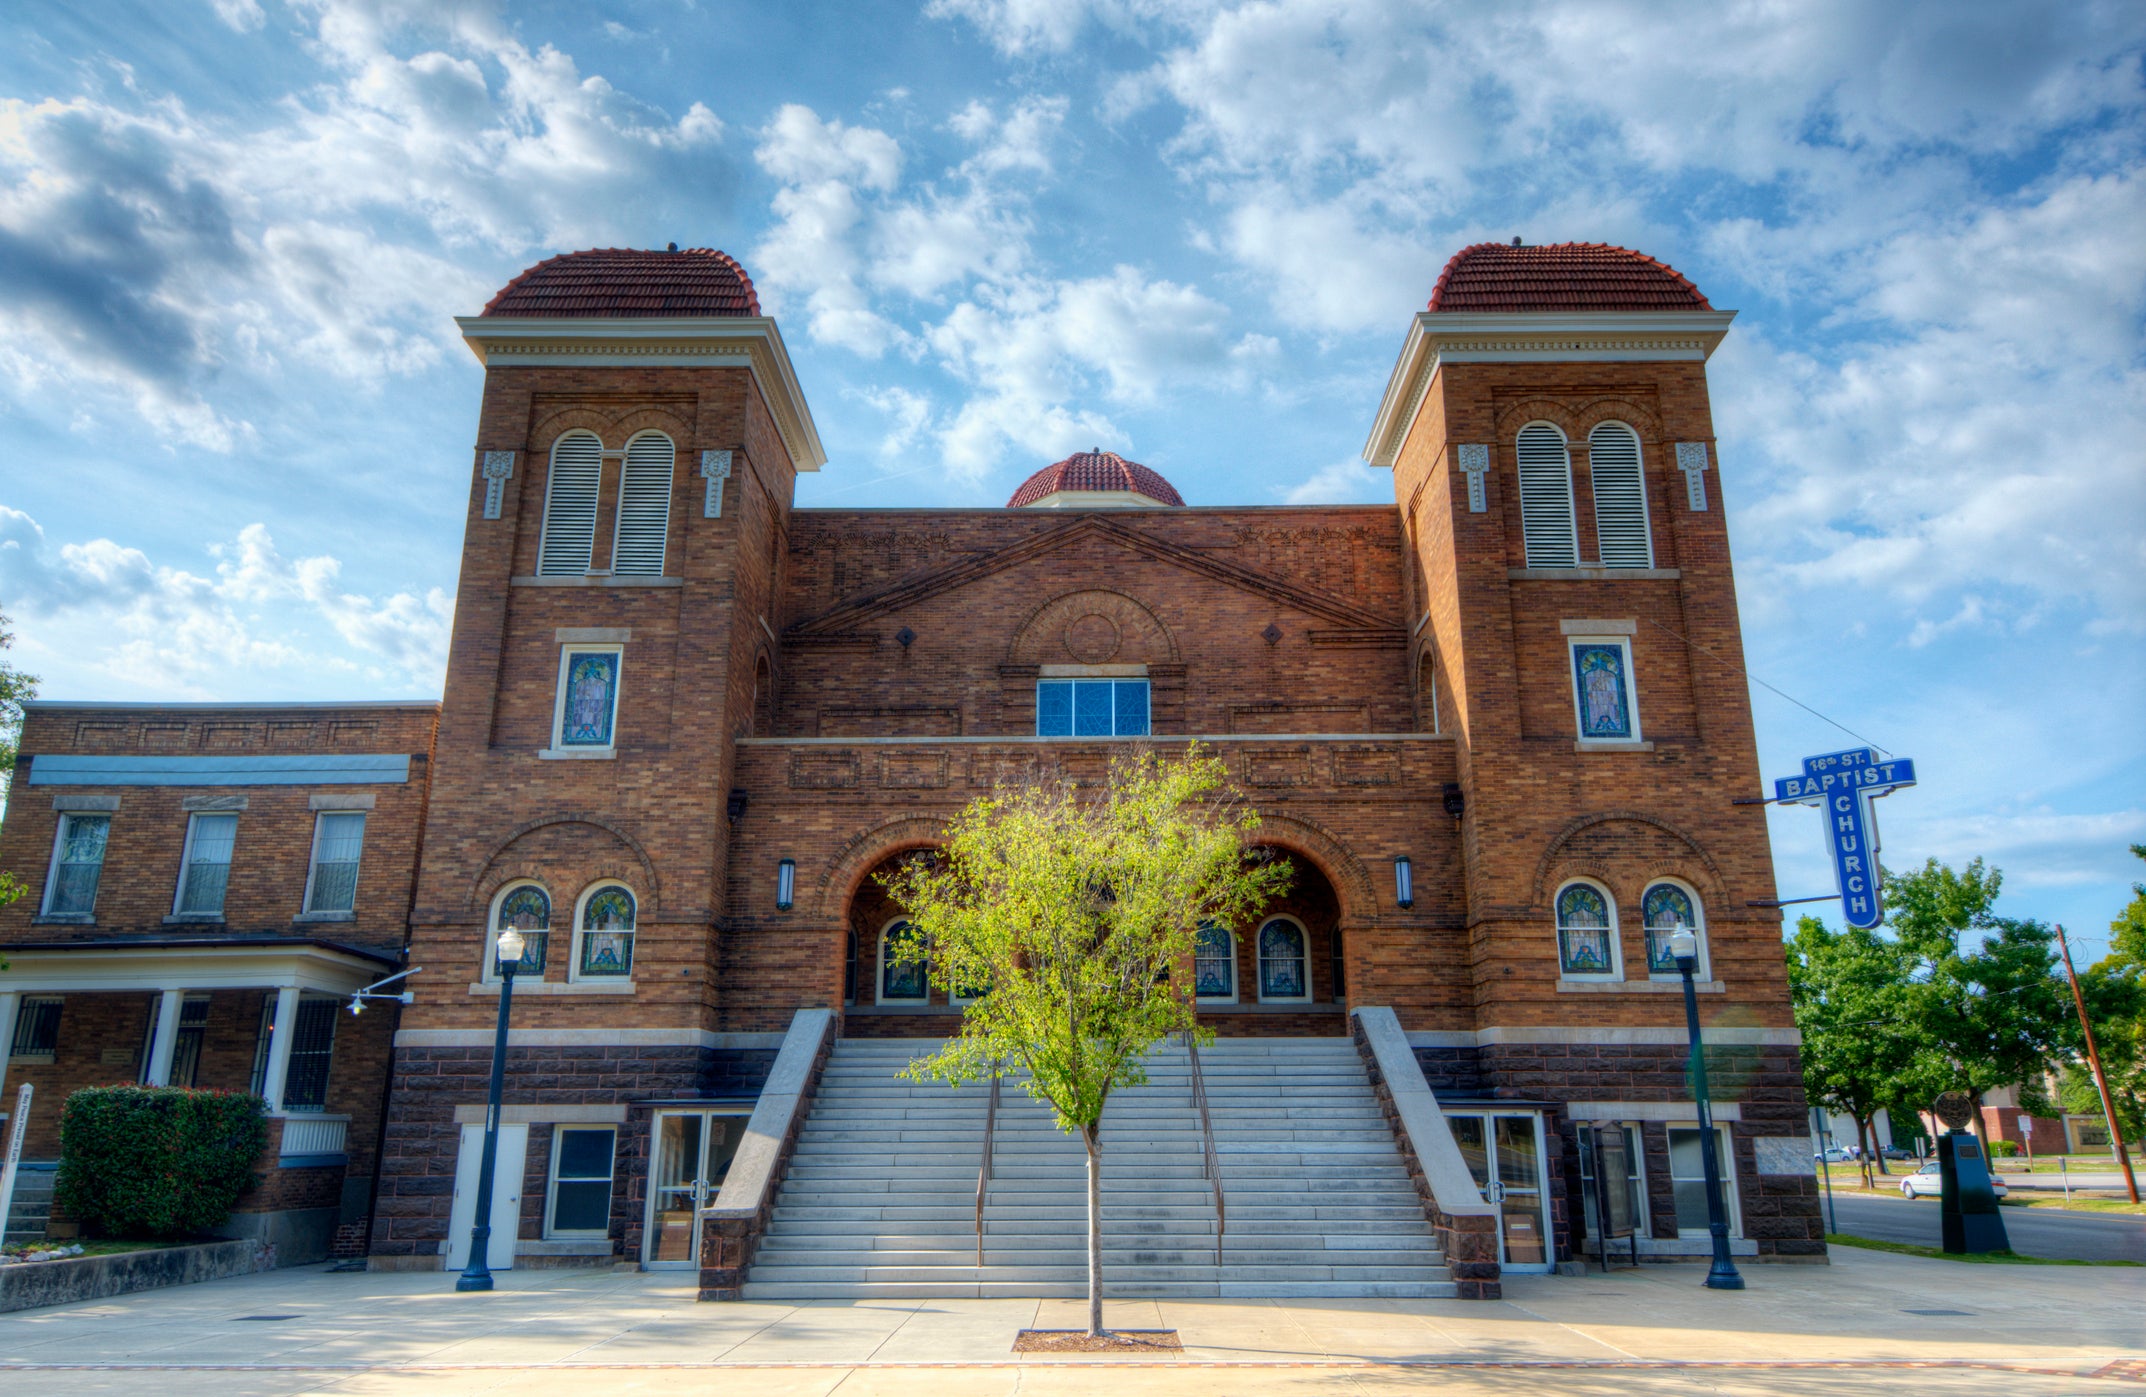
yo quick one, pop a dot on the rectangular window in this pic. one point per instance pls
(205, 868)
(37, 1030)
(1635, 1181)
(305, 1082)
(1092, 708)
(1687, 1175)
(77, 865)
(338, 839)
(581, 1161)
(587, 706)
(1602, 690)
(186, 1049)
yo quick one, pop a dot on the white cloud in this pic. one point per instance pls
(1347, 481)
(158, 627)
(243, 15)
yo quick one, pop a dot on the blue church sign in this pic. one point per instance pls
(1843, 785)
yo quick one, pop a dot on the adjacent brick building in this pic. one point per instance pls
(1497, 727)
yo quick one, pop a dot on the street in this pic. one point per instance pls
(2034, 1231)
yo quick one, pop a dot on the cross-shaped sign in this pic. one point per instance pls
(1843, 785)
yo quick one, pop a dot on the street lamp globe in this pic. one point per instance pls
(1684, 949)
(510, 947)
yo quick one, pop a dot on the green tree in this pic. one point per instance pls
(1076, 914)
(1989, 1011)
(1853, 1000)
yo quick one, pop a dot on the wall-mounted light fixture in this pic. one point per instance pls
(1455, 804)
(785, 884)
(1404, 882)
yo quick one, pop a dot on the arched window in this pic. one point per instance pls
(606, 932)
(1283, 966)
(1214, 963)
(902, 979)
(1586, 931)
(527, 908)
(644, 506)
(1427, 692)
(1669, 908)
(570, 491)
(1620, 497)
(1546, 522)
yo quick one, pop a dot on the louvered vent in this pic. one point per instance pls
(1546, 498)
(577, 468)
(644, 507)
(1620, 497)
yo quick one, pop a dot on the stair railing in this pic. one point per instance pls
(1210, 1162)
(983, 1171)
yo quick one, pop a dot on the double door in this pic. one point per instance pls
(691, 1153)
(1504, 1151)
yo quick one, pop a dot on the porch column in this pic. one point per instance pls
(157, 1073)
(279, 1048)
(10, 1003)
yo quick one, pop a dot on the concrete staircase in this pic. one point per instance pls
(31, 1206)
(880, 1197)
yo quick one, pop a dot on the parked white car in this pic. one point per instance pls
(1927, 1182)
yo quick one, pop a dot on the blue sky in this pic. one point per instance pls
(235, 421)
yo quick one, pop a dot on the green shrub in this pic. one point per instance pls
(157, 1161)
(2004, 1149)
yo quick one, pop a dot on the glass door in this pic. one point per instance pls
(691, 1153)
(1504, 1151)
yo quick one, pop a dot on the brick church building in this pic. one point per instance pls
(1497, 726)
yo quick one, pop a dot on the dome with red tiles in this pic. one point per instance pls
(1499, 277)
(627, 283)
(1094, 479)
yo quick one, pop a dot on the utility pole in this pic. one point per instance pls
(2101, 1080)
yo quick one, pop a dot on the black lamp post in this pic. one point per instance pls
(1722, 1274)
(478, 1274)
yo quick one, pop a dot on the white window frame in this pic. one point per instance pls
(567, 652)
(551, 493)
(1594, 480)
(581, 904)
(1236, 970)
(1616, 938)
(488, 974)
(1529, 545)
(52, 868)
(1146, 683)
(1731, 1195)
(879, 968)
(1259, 960)
(1579, 703)
(551, 1179)
(186, 863)
(1705, 969)
(618, 522)
(305, 907)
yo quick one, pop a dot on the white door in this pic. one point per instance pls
(506, 1195)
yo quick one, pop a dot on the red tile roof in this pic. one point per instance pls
(626, 283)
(1095, 470)
(1561, 276)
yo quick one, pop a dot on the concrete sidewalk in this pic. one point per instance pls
(1849, 1327)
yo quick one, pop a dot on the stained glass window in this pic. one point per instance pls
(901, 978)
(1602, 689)
(528, 910)
(208, 865)
(1281, 960)
(607, 932)
(1583, 931)
(1668, 910)
(1214, 962)
(79, 863)
(336, 847)
(587, 709)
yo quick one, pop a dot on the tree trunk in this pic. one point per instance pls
(1866, 1135)
(1880, 1151)
(1090, 1136)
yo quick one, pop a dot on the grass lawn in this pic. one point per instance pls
(2077, 1204)
(91, 1248)
(1993, 1258)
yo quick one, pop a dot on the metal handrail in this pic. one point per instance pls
(983, 1172)
(1210, 1162)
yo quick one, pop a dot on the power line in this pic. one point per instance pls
(1747, 674)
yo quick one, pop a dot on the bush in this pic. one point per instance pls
(157, 1161)
(2004, 1149)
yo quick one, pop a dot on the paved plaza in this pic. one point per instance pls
(1869, 1322)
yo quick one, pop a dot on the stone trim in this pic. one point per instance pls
(1675, 1112)
(1546, 1033)
(1570, 986)
(473, 1114)
(85, 805)
(574, 1038)
(570, 635)
(1585, 627)
(213, 804)
(732, 1227)
(339, 801)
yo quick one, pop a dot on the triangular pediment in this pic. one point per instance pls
(908, 591)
